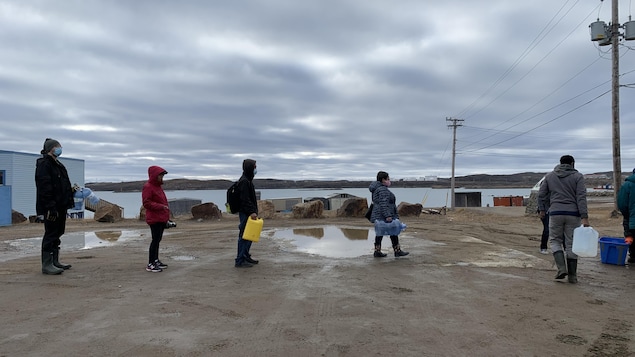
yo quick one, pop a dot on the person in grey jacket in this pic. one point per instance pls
(563, 194)
(384, 209)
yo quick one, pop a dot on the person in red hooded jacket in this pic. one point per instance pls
(157, 214)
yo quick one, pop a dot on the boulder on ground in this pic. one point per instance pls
(313, 209)
(17, 217)
(207, 210)
(108, 213)
(406, 209)
(353, 207)
(266, 209)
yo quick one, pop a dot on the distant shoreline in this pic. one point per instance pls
(522, 180)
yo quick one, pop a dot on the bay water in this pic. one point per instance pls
(428, 197)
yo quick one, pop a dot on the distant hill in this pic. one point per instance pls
(520, 180)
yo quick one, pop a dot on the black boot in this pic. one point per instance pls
(399, 252)
(56, 261)
(378, 253)
(562, 268)
(47, 264)
(572, 265)
(397, 248)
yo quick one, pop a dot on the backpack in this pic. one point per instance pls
(233, 199)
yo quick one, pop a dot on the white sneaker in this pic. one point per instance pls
(544, 251)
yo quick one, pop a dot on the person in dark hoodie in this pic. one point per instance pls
(157, 214)
(563, 194)
(248, 210)
(384, 209)
(626, 205)
(54, 197)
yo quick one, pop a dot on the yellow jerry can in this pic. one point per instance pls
(253, 229)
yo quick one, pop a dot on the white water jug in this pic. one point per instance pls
(585, 242)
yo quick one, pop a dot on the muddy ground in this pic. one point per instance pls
(474, 284)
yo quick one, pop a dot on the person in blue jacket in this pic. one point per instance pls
(626, 205)
(384, 209)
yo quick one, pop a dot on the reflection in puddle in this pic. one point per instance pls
(19, 248)
(108, 235)
(332, 241)
(309, 232)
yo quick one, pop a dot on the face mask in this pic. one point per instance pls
(57, 152)
(255, 172)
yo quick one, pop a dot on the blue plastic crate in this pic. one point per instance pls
(613, 250)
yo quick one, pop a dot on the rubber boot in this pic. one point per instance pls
(572, 265)
(378, 253)
(56, 261)
(47, 264)
(562, 267)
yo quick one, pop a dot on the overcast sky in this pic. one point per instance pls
(330, 89)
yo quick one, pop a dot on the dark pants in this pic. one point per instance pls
(393, 239)
(157, 234)
(53, 230)
(243, 244)
(545, 232)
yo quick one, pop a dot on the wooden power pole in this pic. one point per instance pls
(454, 125)
(617, 159)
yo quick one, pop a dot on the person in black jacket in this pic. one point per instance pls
(248, 210)
(54, 197)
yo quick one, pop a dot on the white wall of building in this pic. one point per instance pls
(19, 171)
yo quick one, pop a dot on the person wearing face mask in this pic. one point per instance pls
(384, 209)
(54, 195)
(248, 210)
(157, 215)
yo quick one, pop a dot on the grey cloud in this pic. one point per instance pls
(310, 89)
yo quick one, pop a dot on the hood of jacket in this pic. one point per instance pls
(249, 166)
(153, 174)
(374, 186)
(631, 178)
(564, 170)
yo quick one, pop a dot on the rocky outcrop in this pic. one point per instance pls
(353, 207)
(206, 210)
(406, 209)
(313, 209)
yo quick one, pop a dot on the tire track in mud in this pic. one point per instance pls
(613, 341)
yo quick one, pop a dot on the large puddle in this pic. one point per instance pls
(19, 248)
(330, 241)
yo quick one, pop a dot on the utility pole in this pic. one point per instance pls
(455, 123)
(617, 158)
(610, 35)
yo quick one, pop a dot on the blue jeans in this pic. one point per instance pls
(243, 244)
